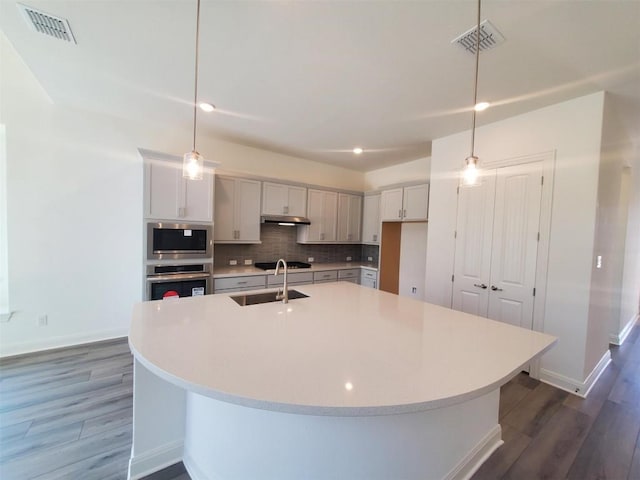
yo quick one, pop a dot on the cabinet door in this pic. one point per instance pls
(247, 210)
(297, 201)
(225, 227)
(274, 198)
(391, 205)
(321, 210)
(162, 179)
(198, 198)
(349, 217)
(415, 202)
(371, 220)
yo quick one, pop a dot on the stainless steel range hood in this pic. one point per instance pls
(285, 220)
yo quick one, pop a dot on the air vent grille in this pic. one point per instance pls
(48, 24)
(489, 38)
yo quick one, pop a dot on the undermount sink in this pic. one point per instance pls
(266, 297)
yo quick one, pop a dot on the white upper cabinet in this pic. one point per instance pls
(169, 196)
(237, 210)
(405, 204)
(349, 217)
(371, 220)
(280, 199)
(322, 212)
(415, 203)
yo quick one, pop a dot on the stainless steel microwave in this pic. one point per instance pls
(175, 241)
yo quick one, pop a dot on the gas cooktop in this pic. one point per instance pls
(272, 265)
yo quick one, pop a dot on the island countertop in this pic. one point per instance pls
(345, 350)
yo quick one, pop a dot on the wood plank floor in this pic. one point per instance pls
(67, 414)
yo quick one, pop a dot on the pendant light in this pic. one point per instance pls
(193, 162)
(471, 173)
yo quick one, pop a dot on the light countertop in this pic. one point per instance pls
(345, 350)
(245, 270)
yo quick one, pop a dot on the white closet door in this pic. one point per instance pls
(515, 244)
(473, 247)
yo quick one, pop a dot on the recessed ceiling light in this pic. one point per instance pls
(481, 106)
(207, 107)
(358, 150)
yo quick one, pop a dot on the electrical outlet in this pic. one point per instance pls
(369, 259)
(248, 262)
(348, 259)
(599, 261)
(233, 262)
(43, 321)
(413, 290)
(310, 259)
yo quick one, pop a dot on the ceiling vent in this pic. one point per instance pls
(48, 24)
(489, 38)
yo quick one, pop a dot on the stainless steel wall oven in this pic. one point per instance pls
(187, 280)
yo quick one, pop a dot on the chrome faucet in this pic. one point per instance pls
(285, 291)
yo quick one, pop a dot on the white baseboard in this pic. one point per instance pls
(60, 342)
(618, 339)
(477, 456)
(194, 471)
(155, 460)
(572, 385)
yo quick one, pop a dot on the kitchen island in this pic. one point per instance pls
(350, 382)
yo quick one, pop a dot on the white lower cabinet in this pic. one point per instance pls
(239, 284)
(369, 278)
(301, 278)
(351, 275)
(325, 276)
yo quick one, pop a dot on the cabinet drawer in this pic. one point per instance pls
(251, 282)
(351, 273)
(329, 276)
(370, 274)
(292, 278)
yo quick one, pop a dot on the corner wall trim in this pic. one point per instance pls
(572, 385)
(624, 333)
(154, 460)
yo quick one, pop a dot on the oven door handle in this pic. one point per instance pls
(177, 277)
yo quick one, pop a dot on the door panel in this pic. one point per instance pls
(473, 247)
(515, 243)
(507, 310)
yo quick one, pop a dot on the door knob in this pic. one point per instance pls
(480, 285)
(495, 289)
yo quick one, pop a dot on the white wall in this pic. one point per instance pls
(630, 296)
(413, 171)
(74, 209)
(413, 253)
(573, 130)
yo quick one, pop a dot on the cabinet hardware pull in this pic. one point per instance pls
(404, 213)
(481, 285)
(400, 213)
(375, 238)
(242, 283)
(495, 289)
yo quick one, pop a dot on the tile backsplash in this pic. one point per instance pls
(280, 242)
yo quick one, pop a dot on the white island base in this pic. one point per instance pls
(350, 383)
(225, 441)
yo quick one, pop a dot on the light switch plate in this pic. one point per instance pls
(248, 262)
(233, 262)
(310, 259)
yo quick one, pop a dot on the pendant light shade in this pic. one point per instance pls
(192, 165)
(193, 162)
(471, 172)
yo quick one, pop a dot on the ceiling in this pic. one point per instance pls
(316, 78)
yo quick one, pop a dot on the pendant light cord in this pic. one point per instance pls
(475, 85)
(195, 86)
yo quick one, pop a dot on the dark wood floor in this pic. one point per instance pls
(67, 414)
